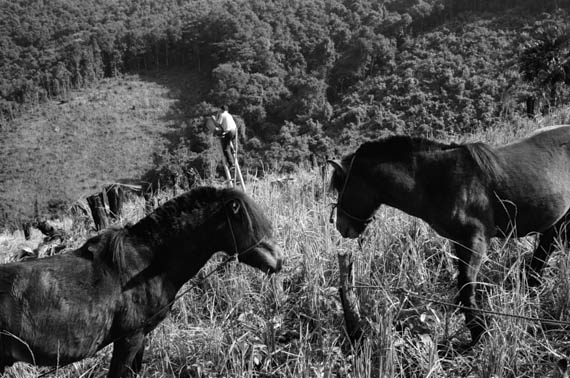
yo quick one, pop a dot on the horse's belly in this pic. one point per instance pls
(52, 337)
(519, 218)
(48, 318)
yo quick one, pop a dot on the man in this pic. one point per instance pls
(228, 133)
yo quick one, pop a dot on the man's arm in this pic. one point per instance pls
(219, 129)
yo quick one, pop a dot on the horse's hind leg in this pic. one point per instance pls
(127, 356)
(136, 366)
(546, 244)
(470, 256)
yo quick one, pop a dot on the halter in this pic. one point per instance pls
(338, 204)
(248, 249)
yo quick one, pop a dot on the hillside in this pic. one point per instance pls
(308, 79)
(63, 150)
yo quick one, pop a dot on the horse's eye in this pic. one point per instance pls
(235, 206)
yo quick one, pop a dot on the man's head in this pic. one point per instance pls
(224, 108)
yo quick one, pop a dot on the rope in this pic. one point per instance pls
(466, 308)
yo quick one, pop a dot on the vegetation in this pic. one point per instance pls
(97, 91)
(239, 323)
(307, 79)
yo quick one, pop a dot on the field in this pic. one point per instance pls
(61, 151)
(240, 323)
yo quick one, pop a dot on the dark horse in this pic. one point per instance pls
(468, 193)
(121, 284)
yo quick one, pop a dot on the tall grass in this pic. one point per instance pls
(240, 323)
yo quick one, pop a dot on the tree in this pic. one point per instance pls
(545, 62)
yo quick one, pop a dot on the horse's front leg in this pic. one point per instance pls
(470, 256)
(136, 366)
(127, 356)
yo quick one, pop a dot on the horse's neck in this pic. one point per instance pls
(397, 185)
(173, 259)
(179, 272)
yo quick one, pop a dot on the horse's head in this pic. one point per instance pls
(356, 203)
(249, 234)
(197, 224)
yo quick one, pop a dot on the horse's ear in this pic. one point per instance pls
(235, 206)
(336, 164)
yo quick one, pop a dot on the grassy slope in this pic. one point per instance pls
(62, 151)
(238, 323)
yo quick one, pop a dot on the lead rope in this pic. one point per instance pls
(413, 294)
(235, 256)
(339, 207)
(338, 204)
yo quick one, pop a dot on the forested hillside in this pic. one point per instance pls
(308, 78)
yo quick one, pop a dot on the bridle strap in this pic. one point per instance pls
(238, 253)
(338, 204)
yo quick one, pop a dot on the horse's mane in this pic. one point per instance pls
(107, 246)
(401, 147)
(192, 208)
(176, 217)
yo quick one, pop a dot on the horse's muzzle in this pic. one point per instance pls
(347, 229)
(267, 257)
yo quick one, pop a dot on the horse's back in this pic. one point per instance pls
(551, 131)
(544, 140)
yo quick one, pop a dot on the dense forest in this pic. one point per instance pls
(306, 78)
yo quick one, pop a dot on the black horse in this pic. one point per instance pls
(468, 193)
(121, 284)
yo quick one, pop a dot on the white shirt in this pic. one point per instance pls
(227, 121)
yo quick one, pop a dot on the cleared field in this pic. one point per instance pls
(62, 150)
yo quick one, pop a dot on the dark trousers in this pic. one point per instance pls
(227, 138)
